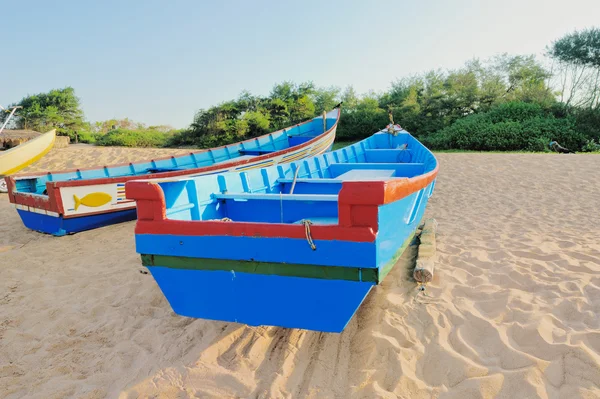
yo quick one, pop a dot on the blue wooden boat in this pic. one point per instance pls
(298, 245)
(69, 201)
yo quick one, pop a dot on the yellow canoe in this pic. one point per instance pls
(23, 155)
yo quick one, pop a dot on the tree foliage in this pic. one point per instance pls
(577, 56)
(423, 104)
(250, 116)
(579, 47)
(112, 124)
(125, 132)
(58, 109)
(429, 102)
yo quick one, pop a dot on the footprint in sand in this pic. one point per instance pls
(566, 244)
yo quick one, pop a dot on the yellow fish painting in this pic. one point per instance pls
(92, 200)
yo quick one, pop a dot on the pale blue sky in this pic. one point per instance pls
(158, 62)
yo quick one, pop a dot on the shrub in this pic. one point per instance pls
(364, 120)
(508, 127)
(86, 137)
(588, 122)
(591, 146)
(133, 138)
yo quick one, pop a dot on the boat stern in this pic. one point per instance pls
(260, 299)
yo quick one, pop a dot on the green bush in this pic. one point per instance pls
(362, 121)
(513, 126)
(86, 137)
(133, 138)
(591, 146)
(588, 122)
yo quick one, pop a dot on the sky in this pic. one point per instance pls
(159, 62)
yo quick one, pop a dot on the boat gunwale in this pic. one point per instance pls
(152, 218)
(119, 179)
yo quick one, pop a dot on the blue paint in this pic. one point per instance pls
(280, 210)
(300, 139)
(60, 226)
(331, 187)
(291, 302)
(260, 249)
(397, 222)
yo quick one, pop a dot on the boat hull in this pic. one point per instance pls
(318, 290)
(242, 298)
(23, 155)
(59, 226)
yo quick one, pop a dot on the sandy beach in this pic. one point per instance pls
(513, 310)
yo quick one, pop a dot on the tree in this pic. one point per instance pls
(578, 58)
(58, 109)
(349, 98)
(111, 124)
(295, 102)
(326, 99)
(525, 79)
(581, 48)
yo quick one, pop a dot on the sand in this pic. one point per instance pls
(513, 310)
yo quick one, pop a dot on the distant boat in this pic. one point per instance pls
(23, 155)
(70, 201)
(297, 245)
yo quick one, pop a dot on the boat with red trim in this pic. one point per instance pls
(298, 245)
(70, 201)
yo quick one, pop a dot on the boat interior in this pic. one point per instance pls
(290, 193)
(266, 144)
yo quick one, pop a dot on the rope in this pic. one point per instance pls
(307, 224)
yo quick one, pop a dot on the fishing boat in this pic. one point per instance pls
(298, 245)
(23, 155)
(70, 201)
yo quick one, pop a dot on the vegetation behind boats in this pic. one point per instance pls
(507, 103)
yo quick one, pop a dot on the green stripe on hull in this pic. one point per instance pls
(369, 275)
(267, 268)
